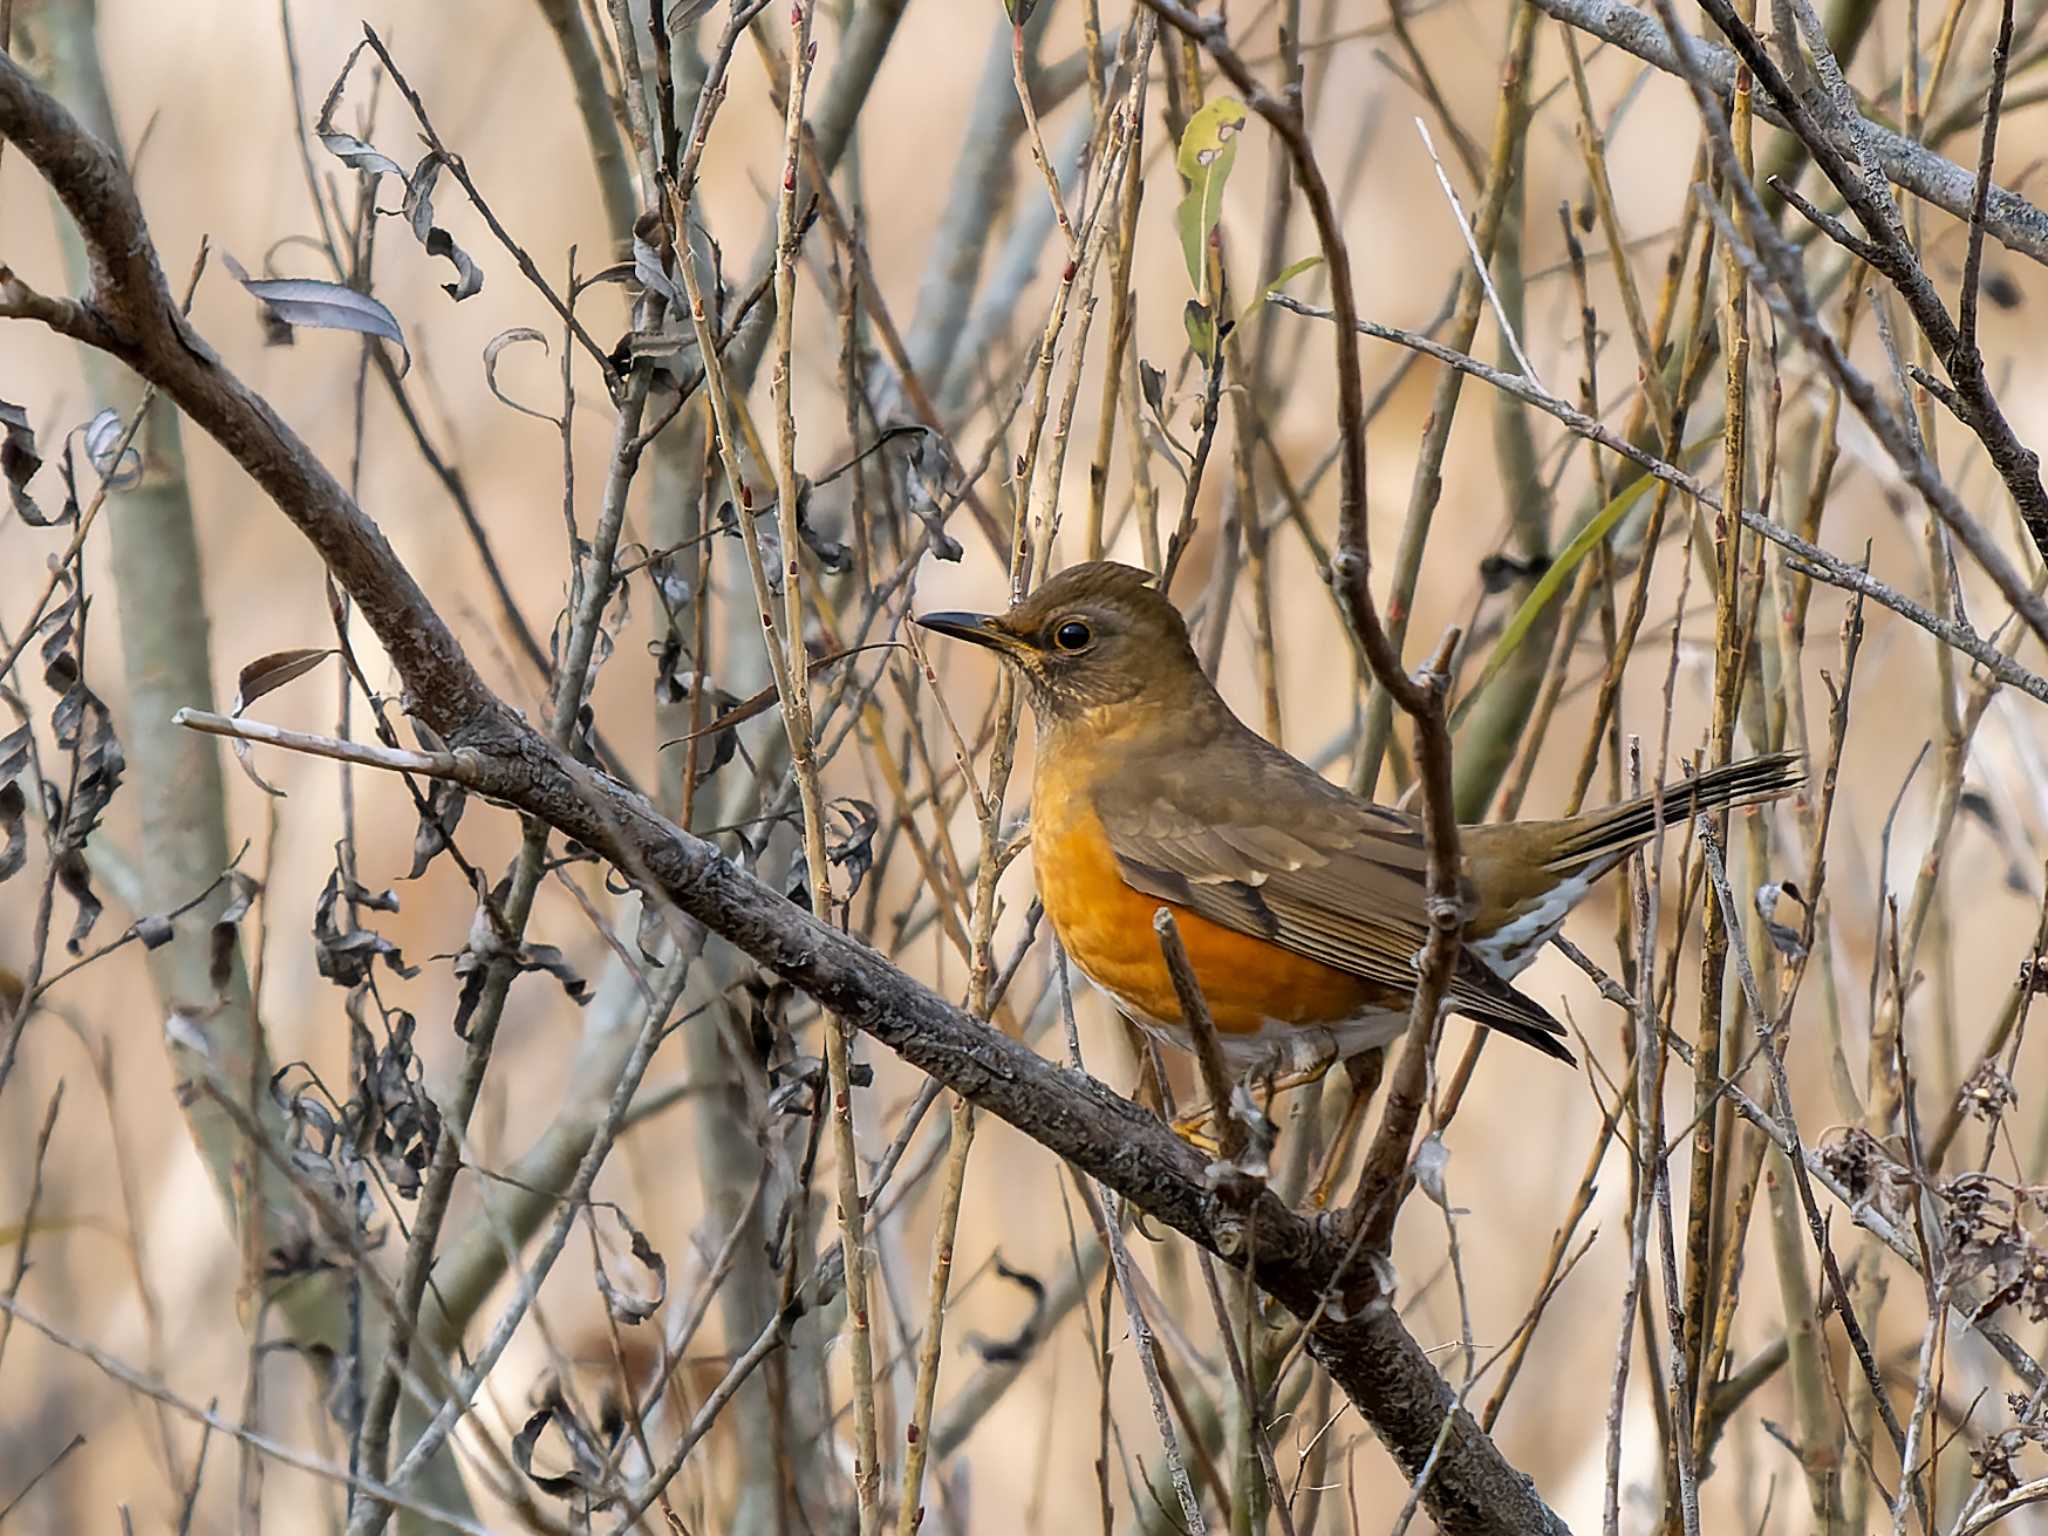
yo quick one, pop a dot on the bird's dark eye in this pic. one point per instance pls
(1073, 635)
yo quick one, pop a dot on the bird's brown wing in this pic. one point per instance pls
(1290, 858)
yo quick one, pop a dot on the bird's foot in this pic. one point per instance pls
(1198, 1129)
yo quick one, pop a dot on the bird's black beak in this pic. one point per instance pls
(978, 628)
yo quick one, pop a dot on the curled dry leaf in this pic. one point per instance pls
(585, 1479)
(486, 943)
(418, 207)
(611, 623)
(291, 302)
(831, 554)
(418, 210)
(13, 802)
(19, 460)
(320, 1140)
(221, 940)
(921, 494)
(391, 1114)
(620, 272)
(154, 931)
(83, 726)
(499, 343)
(344, 955)
(850, 839)
(650, 270)
(677, 686)
(67, 509)
(545, 957)
(264, 675)
(671, 583)
(1020, 1344)
(350, 150)
(76, 878)
(672, 681)
(438, 821)
(797, 1085)
(310, 1124)
(14, 825)
(650, 928)
(633, 1309)
(674, 687)
(119, 463)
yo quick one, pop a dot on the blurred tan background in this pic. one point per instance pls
(202, 95)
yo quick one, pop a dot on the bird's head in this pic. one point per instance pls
(1095, 635)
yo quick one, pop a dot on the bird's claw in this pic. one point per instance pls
(1195, 1130)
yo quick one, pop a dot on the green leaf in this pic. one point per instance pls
(1201, 329)
(1278, 281)
(1208, 150)
(1553, 580)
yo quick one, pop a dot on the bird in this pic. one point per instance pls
(1302, 907)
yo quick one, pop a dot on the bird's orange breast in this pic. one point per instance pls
(1106, 927)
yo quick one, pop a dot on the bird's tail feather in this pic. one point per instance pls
(1602, 834)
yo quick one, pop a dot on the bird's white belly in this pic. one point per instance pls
(1280, 1045)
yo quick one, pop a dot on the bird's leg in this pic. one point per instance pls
(1193, 1127)
(1304, 1076)
(1364, 1071)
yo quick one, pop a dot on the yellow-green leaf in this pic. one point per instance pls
(1208, 150)
(1553, 580)
(1278, 281)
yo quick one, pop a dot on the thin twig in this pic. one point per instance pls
(277, 1450)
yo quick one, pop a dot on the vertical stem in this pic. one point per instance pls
(1120, 381)
(793, 680)
(1707, 1159)
(1509, 129)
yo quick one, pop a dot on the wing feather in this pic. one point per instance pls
(1319, 873)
